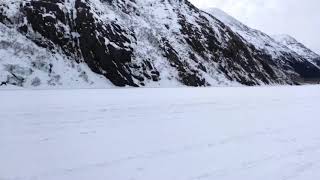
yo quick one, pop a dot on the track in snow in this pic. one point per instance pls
(161, 134)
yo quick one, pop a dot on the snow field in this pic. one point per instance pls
(160, 134)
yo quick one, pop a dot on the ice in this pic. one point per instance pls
(161, 134)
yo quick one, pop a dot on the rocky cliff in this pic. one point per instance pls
(135, 43)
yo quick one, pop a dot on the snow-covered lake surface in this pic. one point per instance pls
(262, 133)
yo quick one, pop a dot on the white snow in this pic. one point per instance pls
(259, 133)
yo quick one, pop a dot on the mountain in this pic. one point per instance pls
(298, 47)
(280, 47)
(137, 43)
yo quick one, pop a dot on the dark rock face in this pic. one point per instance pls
(317, 61)
(3, 18)
(187, 75)
(84, 37)
(195, 50)
(102, 57)
(236, 57)
(46, 18)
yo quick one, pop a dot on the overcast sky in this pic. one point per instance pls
(298, 18)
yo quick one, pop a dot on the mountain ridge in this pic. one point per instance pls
(298, 47)
(275, 45)
(138, 43)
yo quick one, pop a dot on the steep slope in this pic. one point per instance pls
(298, 47)
(257, 38)
(23, 63)
(283, 49)
(149, 43)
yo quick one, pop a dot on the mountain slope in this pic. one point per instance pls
(23, 63)
(283, 49)
(298, 47)
(149, 43)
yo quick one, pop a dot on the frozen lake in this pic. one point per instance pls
(261, 133)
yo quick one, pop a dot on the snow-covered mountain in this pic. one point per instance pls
(280, 47)
(255, 37)
(137, 43)
(298, 47)
(23, 63)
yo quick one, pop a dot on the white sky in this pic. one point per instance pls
(298, 18)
